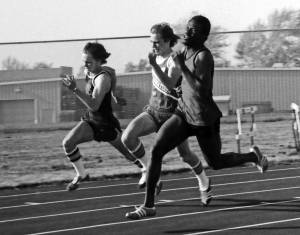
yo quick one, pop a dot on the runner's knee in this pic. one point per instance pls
(71, 151)
(68, 145)
(125, 138)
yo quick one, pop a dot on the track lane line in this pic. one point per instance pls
(139, 193)
(246, 226)
(126, 184)
(163, 217)
(160, 202)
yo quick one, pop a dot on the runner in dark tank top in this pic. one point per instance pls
(98, 122)
(197, 102)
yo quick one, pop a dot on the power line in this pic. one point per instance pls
(72, 40)
(138, 37)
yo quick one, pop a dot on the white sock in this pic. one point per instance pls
(79, 168)
(143, 161)
(203, 181)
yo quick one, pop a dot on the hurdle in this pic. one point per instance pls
(242, 111)
(296, 125)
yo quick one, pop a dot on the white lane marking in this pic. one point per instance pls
(165, 201)
(32, 203)
(163, 217)
(126, 184)
(123, 206)
(138, 193)
(246, 226)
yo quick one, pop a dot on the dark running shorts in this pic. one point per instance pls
(159, 117)
(104, 130)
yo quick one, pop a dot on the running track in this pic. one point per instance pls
(245, 202)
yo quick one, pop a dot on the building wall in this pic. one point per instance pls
(136, 89)
(44, 92)
(46, 97)
(279, 87)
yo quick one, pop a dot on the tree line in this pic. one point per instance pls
(254, 49)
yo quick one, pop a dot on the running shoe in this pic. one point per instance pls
(141, 212)
(262, 161)
(206, 195)
(76, 181)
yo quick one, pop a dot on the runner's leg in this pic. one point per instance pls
(142, 125)
(171, 134)
(81, 133)
(194, 162)
(210, 143)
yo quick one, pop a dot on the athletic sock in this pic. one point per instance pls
(138, 163)
(139, 154)
(201, 176)
(79, 168)
(203, 181)
(76, 160)
(143, 162)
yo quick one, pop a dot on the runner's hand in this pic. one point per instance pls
(69, 82)
(178, 58)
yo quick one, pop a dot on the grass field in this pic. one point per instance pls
(32, 154)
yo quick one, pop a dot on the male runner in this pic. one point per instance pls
(98, 123)
(166, 78)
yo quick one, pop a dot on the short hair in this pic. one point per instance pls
(166, 32)
(203, 23)
(97, 51)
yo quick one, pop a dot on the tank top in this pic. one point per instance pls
(162, 98)
(104, 112)
(198, 106)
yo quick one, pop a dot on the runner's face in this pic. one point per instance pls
(192, 34)
(90, 64)
(159, 46)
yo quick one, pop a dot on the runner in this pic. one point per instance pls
(166, 79)
(98, 123)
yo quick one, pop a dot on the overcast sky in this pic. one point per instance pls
(27, 20)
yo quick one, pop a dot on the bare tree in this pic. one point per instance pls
(11, 63)
(42, 65)
(142, 65)
(259, 49)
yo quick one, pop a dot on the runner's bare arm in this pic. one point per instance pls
(102, 86)
(203, 65)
